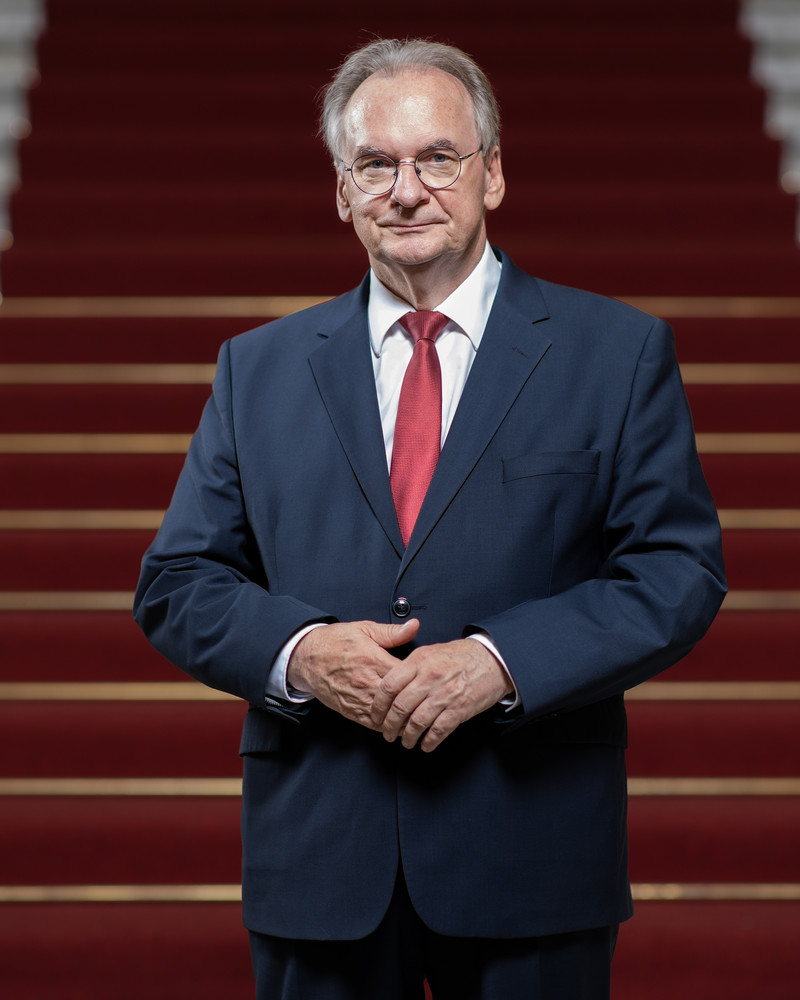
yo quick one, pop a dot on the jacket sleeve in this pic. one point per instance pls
(662, 579)
(203, 600)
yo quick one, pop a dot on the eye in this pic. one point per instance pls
(438, 159)
(373, 164)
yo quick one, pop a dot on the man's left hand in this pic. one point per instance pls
(435, 689)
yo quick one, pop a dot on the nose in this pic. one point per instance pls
(408, 189)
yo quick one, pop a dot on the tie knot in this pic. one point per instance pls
(424, 324)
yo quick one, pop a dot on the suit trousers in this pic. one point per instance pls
(393, 961)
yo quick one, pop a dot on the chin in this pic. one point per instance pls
(408, 251)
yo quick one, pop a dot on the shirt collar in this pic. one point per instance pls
(468, 306)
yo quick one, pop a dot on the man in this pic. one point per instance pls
(435, 647)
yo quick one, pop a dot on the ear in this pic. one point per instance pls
(495, 185)
(342, 198)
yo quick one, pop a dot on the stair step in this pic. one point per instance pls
(155, 739)
(628, 45)
(758, 481)
(95, 340)
(748, 645)
(210, 12)
(734, 738)
(714, 839)
(196, 339)
(261, 267)
(86, 646)
(79, 646)
(157, 950)
(708, 950)
(150, 841)
(146, 482)
(55, 560)
(717, 951)
(667, 153)
(83, 215)
(239, 100)
(176, 408)
(120, 739)
(89, 481)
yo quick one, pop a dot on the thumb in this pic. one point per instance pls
(389, 636)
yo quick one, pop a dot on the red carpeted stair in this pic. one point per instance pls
(173, 157)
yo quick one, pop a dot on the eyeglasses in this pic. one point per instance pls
(437, 168)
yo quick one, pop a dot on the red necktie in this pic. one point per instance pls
(418, 427)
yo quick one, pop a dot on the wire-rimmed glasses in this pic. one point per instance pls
(437, 168)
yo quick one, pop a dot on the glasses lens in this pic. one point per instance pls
(438, 168)
(373, 173)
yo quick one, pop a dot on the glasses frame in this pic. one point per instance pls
(399, 163)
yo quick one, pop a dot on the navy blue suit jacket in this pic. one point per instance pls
(568, 517)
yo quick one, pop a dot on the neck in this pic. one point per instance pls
(426, 286)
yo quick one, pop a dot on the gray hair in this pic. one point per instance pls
(391, 56)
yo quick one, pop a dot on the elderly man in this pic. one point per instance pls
(431, 531)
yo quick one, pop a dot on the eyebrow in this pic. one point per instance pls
(434, 144)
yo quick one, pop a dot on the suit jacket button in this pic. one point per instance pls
(401, 607)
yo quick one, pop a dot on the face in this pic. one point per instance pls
(412, 227)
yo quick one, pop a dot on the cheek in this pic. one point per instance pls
(362, 217)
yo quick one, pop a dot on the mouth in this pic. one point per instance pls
(407, 227)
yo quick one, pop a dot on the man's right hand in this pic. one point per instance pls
(342, 664)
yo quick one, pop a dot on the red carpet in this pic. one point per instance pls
(157, 166)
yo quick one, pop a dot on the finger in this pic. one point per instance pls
(400, 712)
(428, 726)
(392, 636)
(391, 684)
(439, 730)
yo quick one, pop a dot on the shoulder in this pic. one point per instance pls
(298, 333)
(584, 320)
(594, 311)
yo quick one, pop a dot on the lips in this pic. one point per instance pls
(406, 226)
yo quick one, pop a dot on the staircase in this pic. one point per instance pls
(157, 217)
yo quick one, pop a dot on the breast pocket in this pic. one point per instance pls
(551, 463)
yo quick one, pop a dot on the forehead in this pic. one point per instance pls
(412, 108)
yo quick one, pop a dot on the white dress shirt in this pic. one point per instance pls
(467, 309)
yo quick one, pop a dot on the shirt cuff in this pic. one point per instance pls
(510, 700)
(277, 684)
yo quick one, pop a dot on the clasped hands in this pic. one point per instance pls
(422, 698)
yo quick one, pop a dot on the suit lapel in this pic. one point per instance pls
(510, 350)
(344, 375)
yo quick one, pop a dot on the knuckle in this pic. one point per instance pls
(391, 686)
(438, 730)
(399, 709)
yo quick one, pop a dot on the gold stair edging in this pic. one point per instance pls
(85, 520)
(187, 691)
(762, 519)
(712, 691)
(668, 892)
(762, 600)
(122, 787)
(102, 600)
(107, 374)
(664, 892)
(94, 444)
(155, 306)
(178, 443)
(120, 894)
(112, 691)
(232, 787)
(166, 306)
(66, 600)
(155, 373)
